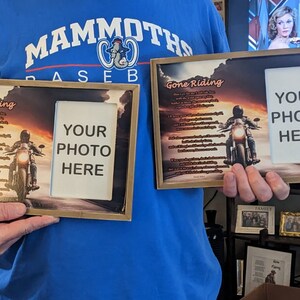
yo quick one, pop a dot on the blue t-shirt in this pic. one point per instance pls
(164, 252)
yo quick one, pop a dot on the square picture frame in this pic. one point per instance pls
(251, 219)
(267, 265)
(81, 149)
(289, 224)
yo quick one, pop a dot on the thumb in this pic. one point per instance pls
(11, 211)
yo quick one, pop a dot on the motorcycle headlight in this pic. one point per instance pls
(23, 157)
(238, 133)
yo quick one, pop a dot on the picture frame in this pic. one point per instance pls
(239, 277)
(84, 166)
(289, 224)
(193, 100)
(220, 6)
(251, 219)
(259, 16)
(267, 265)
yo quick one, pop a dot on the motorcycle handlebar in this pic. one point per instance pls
(39, 154)
(9, 153)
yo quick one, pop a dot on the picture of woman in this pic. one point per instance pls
(282, 27)
(273, 24)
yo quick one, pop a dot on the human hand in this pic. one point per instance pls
(12, 228)
(249, 185)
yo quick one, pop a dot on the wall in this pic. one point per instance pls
(237, 24)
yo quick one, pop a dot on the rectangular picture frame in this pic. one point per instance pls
(267, 265)
(193, 102)
(251, 219)
(87, 133)
(262, 31)
(289, 224)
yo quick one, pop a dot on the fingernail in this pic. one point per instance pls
(230, 177)
(250, 169)
(19, 208)
(271, 175)
(237, 167)
(55, 220)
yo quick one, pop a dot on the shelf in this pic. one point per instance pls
(262, 239)
(292, 241)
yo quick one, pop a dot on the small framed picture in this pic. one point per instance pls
(220, 6)
(290, 224)
(267, 266)
(252, 219)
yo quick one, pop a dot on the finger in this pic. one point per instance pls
(244, 189)
(7, 245)
(17, 229)
(229, 185)
(280, 189)
(11, 211)
(258, 184)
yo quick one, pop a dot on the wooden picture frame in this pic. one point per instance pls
(266, 265)
(251, 219)
(87, 133)
(193, 106)
(289, 224)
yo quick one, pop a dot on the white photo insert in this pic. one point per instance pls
(283, 101)
(84, 150)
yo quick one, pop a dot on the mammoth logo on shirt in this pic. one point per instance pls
(118, 53)
(119, 43)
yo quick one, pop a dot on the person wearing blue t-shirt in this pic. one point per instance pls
(163, 253)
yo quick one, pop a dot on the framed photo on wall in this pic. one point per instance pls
(289, 224)
(211, 111)
(265, 265)
(220, 6)
(252, 219)
(68, 149)
(265, 20)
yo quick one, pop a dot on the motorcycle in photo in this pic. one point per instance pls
(238, 142)
(22, 179)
